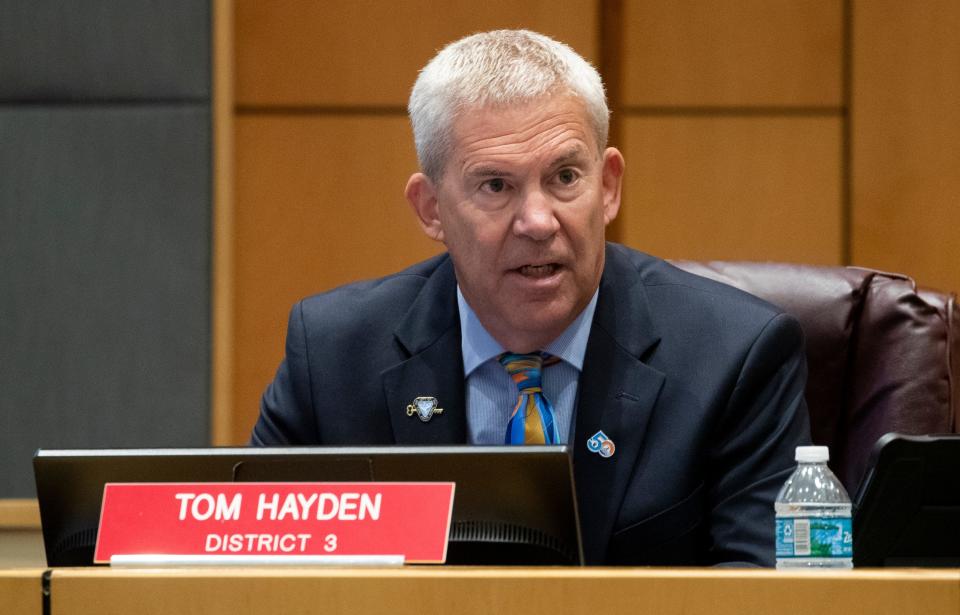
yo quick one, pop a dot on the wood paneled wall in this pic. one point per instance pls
(817, 131)
(732, 129)
(905, 110)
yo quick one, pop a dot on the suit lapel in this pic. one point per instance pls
(430, 335)
(617, 395)
(617, 389)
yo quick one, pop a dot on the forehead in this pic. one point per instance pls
(521, 132)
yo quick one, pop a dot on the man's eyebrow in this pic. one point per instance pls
(487, 171)
(574, 154)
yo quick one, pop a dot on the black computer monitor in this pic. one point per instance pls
(908, 506)
(513, 505)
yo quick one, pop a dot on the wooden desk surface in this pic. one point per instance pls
(19, 514)
(504, 591)
(21, 591)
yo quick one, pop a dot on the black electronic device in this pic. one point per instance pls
(512, 505)
(907, 510)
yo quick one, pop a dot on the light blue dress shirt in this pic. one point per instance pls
(492, 394)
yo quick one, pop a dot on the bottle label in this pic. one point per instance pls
(814, 537)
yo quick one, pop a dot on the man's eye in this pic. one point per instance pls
(494, 185)
(567, 176)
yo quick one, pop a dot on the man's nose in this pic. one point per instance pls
(535, 217)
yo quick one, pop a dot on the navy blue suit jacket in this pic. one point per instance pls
(699, 385)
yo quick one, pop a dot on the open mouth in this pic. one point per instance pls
(538, 271)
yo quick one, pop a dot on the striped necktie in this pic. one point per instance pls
(532, 419)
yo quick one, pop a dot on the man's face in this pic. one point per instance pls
(522, 207)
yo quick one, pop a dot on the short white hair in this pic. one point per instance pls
(498, 68)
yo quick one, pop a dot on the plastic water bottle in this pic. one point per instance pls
(814, 528)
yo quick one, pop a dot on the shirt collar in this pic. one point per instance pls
(478, 346)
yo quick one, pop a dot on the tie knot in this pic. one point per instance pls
(525, 369)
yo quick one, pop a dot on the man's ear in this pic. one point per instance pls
(422, 196)
(613, 166)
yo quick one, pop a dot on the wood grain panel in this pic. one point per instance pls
(319, 202)
(21, 514)
(20, 548)
(906, 139)
(21, 591)
(734, 188)
(733, 52)
(414, 590)
(222, 244)
(302, 52)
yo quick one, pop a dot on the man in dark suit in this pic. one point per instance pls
(681, 399)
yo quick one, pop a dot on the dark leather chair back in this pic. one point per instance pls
(883, 355)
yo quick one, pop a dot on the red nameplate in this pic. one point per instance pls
(409, 519)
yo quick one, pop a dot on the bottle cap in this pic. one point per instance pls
(812, 454)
